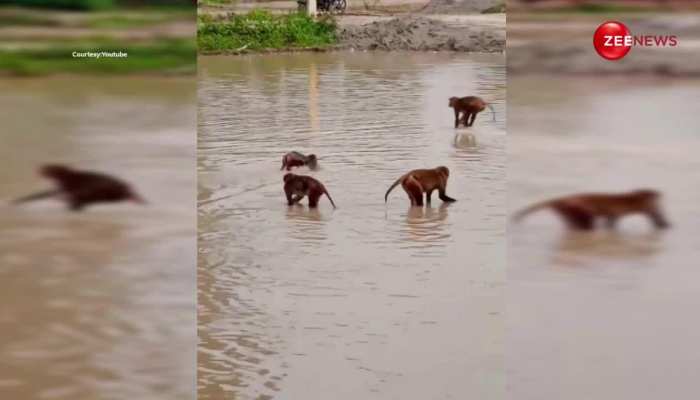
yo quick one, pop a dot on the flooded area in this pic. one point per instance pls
(604, 315)
(99, 304)
(368, 301)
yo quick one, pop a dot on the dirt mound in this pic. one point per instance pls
(421, 33)
(463, 6)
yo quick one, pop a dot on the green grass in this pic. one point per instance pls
(124, 21)
(259, 30)
(174, 56)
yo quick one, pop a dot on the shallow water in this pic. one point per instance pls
(605, 315)
(368, 301)
(92, 305)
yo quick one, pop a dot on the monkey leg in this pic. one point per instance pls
(456, 117)
(658, 219)
(577, 218)
(465, 119)
(284, 162)
(427, 196)
(611, 222)
(291, 200)
(297, 198)
(414, 190)
(75, 205)
(314, 195)
(473, 119)
(444, 197)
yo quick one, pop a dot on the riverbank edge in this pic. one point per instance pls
(330, 49)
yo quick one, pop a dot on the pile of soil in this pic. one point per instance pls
(463, 6)
(421, 33)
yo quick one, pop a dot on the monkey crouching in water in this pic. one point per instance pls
(581, 211)
(469, 106)
(82, 188)
(298, 186)
(296, 159)
(420, 181)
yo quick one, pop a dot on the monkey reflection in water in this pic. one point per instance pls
(426, 224)
(465, 140)
(582, 211)
(82, 188)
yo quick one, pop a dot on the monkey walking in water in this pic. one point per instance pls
(420, 181)
(298, 186)
(296, 159)
(469, 106)
(581, 211)
(82, 188)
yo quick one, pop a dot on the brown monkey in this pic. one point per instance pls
(420, 181)
(469, 106)
(580, 211)
(298, 186)
(81, 188)
(296, 159)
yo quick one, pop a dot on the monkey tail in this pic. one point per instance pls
(386, 196)
(329, 197)
(37, 196)
(284, 162)
(493, 112)
(518, 216)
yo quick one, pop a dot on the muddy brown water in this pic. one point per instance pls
(607, 315)
(368, 301)
(98, 305)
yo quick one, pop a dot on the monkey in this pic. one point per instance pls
(296, 159)
(420, 181)
(469, 106)
(580, 211)
(298, 186)
(82, 188)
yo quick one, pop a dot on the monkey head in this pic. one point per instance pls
(453, 101)
(313, 161)
(288, 176)
(55, 171)
(442, 170)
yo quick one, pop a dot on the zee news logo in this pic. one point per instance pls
(613, 40)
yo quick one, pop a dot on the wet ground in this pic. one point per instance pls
(367, 301)
(92, 305)
(604, 315)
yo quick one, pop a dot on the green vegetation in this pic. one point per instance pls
(64, 4)
(97, 20)
(259, 30)
(91, 5)
(165, 56)
(496, 9)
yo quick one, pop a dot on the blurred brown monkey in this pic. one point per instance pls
(82, 188)
(580, 211)
(469, 106)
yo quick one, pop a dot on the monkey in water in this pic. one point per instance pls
(581, 211)
(469, 106)
(82, 188)
(296, 159)
(420, 181)
(298, 186)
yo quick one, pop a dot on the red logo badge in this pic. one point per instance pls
(612, 40)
